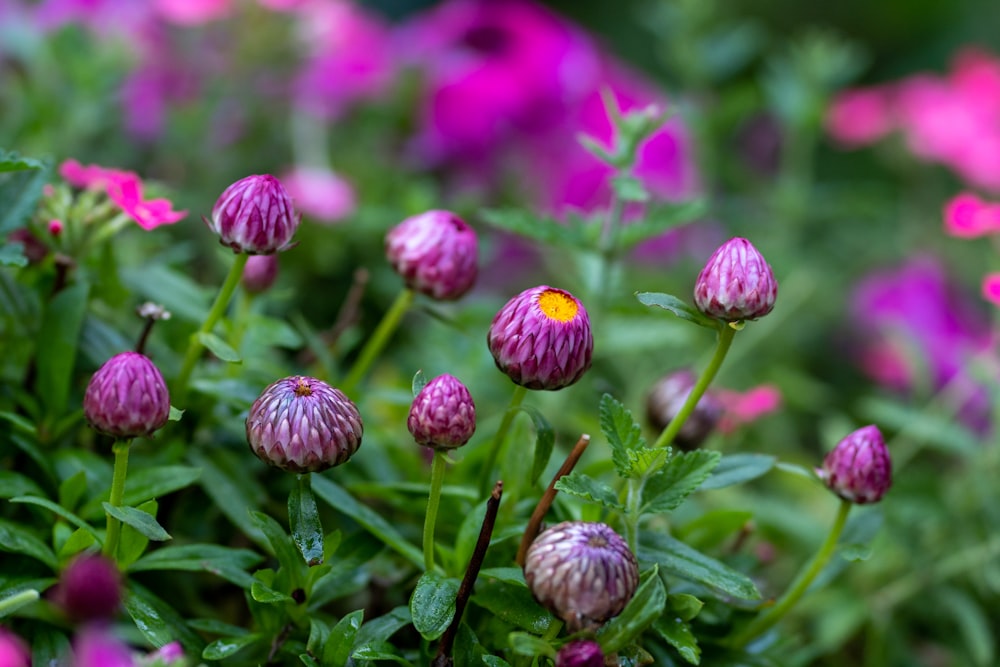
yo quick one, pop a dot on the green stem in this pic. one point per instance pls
(500, 435)
(194, 344)
(377, 341)
(14, 602)
(726, 334)
(433, 502)
(116, 499)
(767, 619)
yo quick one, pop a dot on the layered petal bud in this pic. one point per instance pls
(443, 415)
(666, 399)
(127, 397)
(301, 424)
(541, 338)
(90, 588)
(255, 215)
(583, 572)
(858, 469)
(736, 284)
(582, 653)
(260, 273)
(436, 253)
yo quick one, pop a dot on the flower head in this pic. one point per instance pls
(320, 194)
(736, 284)
(858, 469)
(13, 651)
(541, 338)
(124, 188)
(667, 397)
(443, 415)
(259, 273)
(301, 424)
(255, 215)
(580, 653)
(94, 646)
(90, 588)
(127, 397)
(435, 253)
(583, 572)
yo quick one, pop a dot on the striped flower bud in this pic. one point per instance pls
(260, 273)
(127, 397)
(858, 469)
(90, 588)
(581, 653)
(443, 415)
(301, 424)
(583, 572)
(736, 284)
(541, 338)
(255, 215)
(435, 253)
(666, 399)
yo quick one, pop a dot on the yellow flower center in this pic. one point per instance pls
(302, 387)
(558, 305)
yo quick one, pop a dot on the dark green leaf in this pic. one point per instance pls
(934, 429)
(180, 294)
(972, 620)
(281, 545)
(79, 540)
(432, 605)
(148, 483)
(494, 661)
(225, 562)
(303, 519)
(521, 643)
(158, 621)
(142, 522)
(12, 254)
(13, 484)
(678, 634)
(49, 647)
(383, 627)
(677, 307)
(545, 440)
(622, 432)
(57, 346)
(341, 639)
(219, 347)
(72, 489)
(14, 600)
(227, 646)
(679, 477)
(737, 469)
(659, 220)
(133, 543)
(231, 492)
(60, 511)
(11, 161)
(19, 195)
(680, 560)
(379, 651)
(266, 595)
(512, 603)
(645, 607)
(580, 485)
(419, 382)
(684, 606)
(543, 229)
(16, 539)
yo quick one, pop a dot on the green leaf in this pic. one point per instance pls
(972, 620)
(645, 607)
(281, 545)
(622, 432)
(12, 254)
(545, 440)
(49, 646)
(60, 511)
(494, 661)
(379, 651)
(418, 383)
(303, 519)
(684, 605)
(225, 562)
(680, 560)
(677, 307)
(264, 594)
(158, 621)
(384, 627)
(20, 191)
(16, 539)
(682, 474)
(580, 485)
(219, 347)
(72, 489)
(175, 414)
(142, 522)
(12, 600)
(230, 491)
(57, 346)
(678, 634)
(181, 295)
(339, 643)
(133, 543)
(512, 603)
(629, 189)
(660, 220)
(547, 231)
(737, 469)
(432, 605)
(13, 484)
(227, 646)
(149, 483)
(79, 540)
(335, 496)
(521, 643)
(11, 161)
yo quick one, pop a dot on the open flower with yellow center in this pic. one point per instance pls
(541, 338)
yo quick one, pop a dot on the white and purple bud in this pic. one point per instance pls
(736, 284)
(858, 469)
(436, 253)
(666, 399)
(443, 415)
(301, 424)
(127, 397)
(254, 215)
(580, 653)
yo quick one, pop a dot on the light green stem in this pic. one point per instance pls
(194, 344)
(433, 502)
(377, 341)
(726, 334)
(486, 482)
(767, 619)
(14, 602)
(116, 499)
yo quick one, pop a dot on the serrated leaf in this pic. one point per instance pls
(645, 607)
(432, 605)
(679, 477)
(545, 440)
(340, 641)
(521, 643)
(677, 307)
(644, 462)
(678, 559)
(622, 432)
(737, 469)
(678, 634)
(219, 347)
(227, 646)
(580, 485)
(547, 230)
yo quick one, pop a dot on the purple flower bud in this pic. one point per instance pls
(583, 572)
(435, 253)
(168, 655)
(581, 653)
(90, 588)
(260, 273)
(255, 215)
(666, 399)
(443, 415)
(95, 646)
(737, 283)
(127, 397)
(541, 338)
(301, 424)
(13, 651)
(858, 469)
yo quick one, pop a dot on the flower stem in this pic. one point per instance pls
(433, 502)
(500, 435)
(194, 344)
(725, 339)
(14, 602)
(116, 498)
(766, 620)
(377, 341)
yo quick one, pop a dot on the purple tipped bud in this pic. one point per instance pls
(443, 415)
(301, 424)
(255, 215)
(541, 338)
(90, 589)
(584, 573)
(666, 399)
(260, 273)
(127, 397)
(737, 283)
(583, 653)
(858, 469)
(435, 253)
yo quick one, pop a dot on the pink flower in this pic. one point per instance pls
(13, 651)
(740, 408)
(96, 647)
(991, 288)
(860, 116)
(320, 193)
(124, 188)
(967, 216)
(192, 12)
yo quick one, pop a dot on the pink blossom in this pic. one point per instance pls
(320, 193)
(991, 288)
(740, 408)
(124, 188)
(13, 651)
(860, 116)
(94, 646)
(967, 216)
(192, 12)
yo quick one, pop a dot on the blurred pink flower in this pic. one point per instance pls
(192, 12)
(95, 646)
(991, 288)
(121, 18)
(740, 408)
(13, 651)
(861, 116)
(124, 188)
(320, 193)
(967, 216)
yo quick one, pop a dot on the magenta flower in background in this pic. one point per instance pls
(320, 193)
(13, 651)
(124, 188)
(436, 253)
(95, 646)
(192, 12)
(968, 216)
(580, 653)
(991, 288)
(89, 589)
(741, 408)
